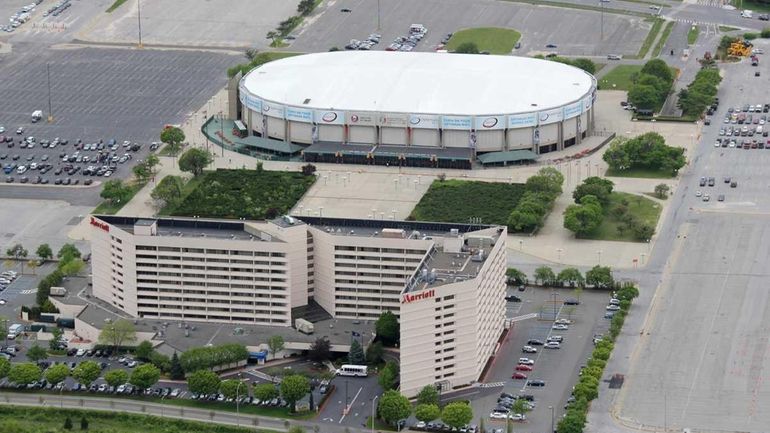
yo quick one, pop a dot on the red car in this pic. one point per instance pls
(522, 367)
(518, 375)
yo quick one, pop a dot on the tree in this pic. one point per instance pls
(393, 407)
(118, 333)
(457, 414)
(387, 328)
(659, 69)
(115, 191)
(661, 191)
(467, 48)
(584, 218)
(203, 382)
(83, 423)
(173, 137)
(600, 277)
(265, 391)
(427, 412)
(68, 252)
(168, 190)
(151, 162)
(141, 171)
(596, 186)
(68, 423)
(143, 351)
(57, 333)
(57, 373)
(374, 353)
(573, 422)
(176, 372)
(643, 96)
(233, 388)
(389, 376)
(116, 377)
(72, 267)
(144, 376)
(194, 161)
(520, 406)
(293, 388)
(643, 232)
(356, 354)
(585, 64)
(428, 395)
(44, 252)
(86, 372)
(36, 353)
(17, 252)
(320, 350)
(308, 169)
(24, 373)
(548, 181)
(515, 276)
(545, 275)
(275, 344)
(571, 276)
(5, 367)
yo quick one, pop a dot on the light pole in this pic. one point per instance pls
(139, 20)
(346, 397)
(162, 396)
(378, 15)
(374, 402)
(552, 417)
(599, 253)
(602, 25)
(642, 257)
(61, 398)
(238, 402)
(521, 245)
(559, 250)
(50, 106)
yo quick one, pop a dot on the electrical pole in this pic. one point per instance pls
(139, 19)
(50, 109)
(602, 26)
(378, 15)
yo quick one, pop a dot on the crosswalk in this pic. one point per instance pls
(707, 28)
(28, 291)
(492, 385)
(712, 3)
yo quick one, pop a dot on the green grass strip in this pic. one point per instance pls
(657, 23)
(117, 4)
(692, 35)
(662, 41)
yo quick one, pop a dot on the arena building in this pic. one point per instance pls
(459, 105)
(445, 282)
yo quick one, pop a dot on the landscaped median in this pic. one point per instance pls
(494, 40)
(587, 388)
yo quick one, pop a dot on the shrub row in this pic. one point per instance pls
(700, 93)
(203, 358)
(587, 387)
(651, 85)
(541, 191)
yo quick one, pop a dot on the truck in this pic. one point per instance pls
(36, 116)
(303, 326)
(14, 331)
(747, 13)
(58, 291)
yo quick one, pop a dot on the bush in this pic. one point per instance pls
(765, 33)
(651, 86)
(700, 93)
(750, 36)
(536, 203)
(647, 151)
(201, 358)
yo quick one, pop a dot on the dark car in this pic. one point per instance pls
(571, 301)
(535, 383)
(535, 342)
(512, 298)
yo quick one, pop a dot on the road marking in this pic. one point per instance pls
(351, 404)
(492, 385)
(28, 292)
(524, 317)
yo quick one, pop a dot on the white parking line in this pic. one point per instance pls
(351, 404)
(540, 350)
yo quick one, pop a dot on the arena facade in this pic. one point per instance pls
(436, 102)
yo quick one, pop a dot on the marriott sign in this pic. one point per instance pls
(407, 298)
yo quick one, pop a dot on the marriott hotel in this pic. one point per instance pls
(445, 282)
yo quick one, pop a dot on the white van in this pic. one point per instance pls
(746, 13)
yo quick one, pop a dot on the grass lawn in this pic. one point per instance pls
(726, 29)
(692, 35)
(619, 77)
(252, 194)
(752, 5)
(460, 200)
(496, 40)
(663, 39)
(107, 208)
(640, 172)
(657, 24)
(166, 150)
(115, 5)
(45, 420)
(643, 209)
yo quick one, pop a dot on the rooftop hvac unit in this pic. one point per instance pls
(454, 232)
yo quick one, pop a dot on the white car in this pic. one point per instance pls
(498, 415)
(80, 352)
(613, 307)
(420, 425)
(526, 361)
(2, 129)
(717, 144)
(560, 327)
(528, 349)
(517, 417)
(563, 321)
(698, 193)
(552, 345)
(3, 302)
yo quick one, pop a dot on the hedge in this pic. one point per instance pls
(202, 358)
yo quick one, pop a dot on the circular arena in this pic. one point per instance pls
(401, 102)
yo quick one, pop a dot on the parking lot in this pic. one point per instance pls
(558, 369)
(573, 31)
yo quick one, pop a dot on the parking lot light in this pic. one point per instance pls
(552, 418)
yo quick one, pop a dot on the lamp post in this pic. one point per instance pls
(559, 251)
(374, 403)
(378, 15)
(61, 398)
(162, 396)
(346, 397)
(599, 253)
(238, 402)
(139, 20)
